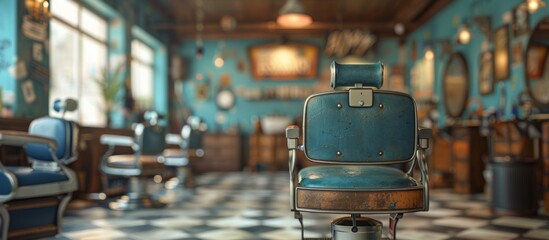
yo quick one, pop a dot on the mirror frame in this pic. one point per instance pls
(528, 87)
(457, 56)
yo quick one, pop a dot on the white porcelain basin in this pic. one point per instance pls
(275, 124)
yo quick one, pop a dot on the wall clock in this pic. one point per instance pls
(225, 99)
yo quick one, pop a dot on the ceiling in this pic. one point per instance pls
(256, 18)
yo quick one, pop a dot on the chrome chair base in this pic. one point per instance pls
(183, 179)
(360, 228)
(127, 203)
(137, 197)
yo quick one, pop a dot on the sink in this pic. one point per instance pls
(275, 124)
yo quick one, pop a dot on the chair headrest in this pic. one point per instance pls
(68, 105)
(348, 75)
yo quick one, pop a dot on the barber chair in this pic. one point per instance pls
(147, 144)
(33, 199)
(190, 148)
(359, 134)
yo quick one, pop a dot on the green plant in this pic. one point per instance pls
(110, 82)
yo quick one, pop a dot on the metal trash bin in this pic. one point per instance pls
(514, 187)
(367, 229)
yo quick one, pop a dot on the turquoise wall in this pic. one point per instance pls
(8, 55)
(246, 111)
(445, 25)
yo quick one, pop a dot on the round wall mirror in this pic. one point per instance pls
(536, 69)
(455, 85)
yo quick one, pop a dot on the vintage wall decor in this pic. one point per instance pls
(520, 21)
(501, 53)
(486, 73)
(455, 85)
(535, 60)
(284, 61)
(536, 64)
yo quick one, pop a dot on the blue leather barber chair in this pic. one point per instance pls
(190, 149)
(34, 198)
(359, 134)
(147, 144)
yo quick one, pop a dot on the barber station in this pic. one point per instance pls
(274, 119)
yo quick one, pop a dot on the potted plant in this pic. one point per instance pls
(110, 83)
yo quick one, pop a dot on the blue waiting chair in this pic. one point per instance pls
(34, 198)
(360, 134)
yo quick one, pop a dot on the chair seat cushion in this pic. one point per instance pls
(170, 152)
(354, 177)
(27, 176)
(127, 161)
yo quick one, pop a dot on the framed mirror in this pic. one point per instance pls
(455, 85)
(537, 64)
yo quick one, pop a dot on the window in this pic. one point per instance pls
(142, 75)
(79, 38)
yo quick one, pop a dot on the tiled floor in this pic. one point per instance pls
(244, 206)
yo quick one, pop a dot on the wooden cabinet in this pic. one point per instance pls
(440, 161)
(543, 120)
(222, 152)
(468, 153)
(268, 149)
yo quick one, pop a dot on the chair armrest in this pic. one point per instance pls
(172, 138)
(116, 140)
(424, 134)
(292, 135)
(16, 138)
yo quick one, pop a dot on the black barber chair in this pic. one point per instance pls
(147, 144)
(190, 149)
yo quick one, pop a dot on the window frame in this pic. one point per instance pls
(81, 34)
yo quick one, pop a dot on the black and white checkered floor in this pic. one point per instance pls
(244, 206)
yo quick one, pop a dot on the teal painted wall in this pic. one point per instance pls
(8, 55)
(246, 111)
(32, 88)
(445, 25)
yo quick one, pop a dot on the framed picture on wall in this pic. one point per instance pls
(501, 53)
(486, 73)
(535, 60)
(284, 61)
(520, 21)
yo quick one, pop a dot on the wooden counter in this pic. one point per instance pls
(468, 153)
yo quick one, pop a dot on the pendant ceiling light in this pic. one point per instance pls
(292, 14)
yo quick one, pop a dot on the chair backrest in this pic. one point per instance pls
(192, 138)
(63, 131)
(151, 138)
(360, 125)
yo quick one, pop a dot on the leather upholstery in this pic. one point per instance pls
(128, 161)
(27, 176)
(154, 140)
(347, 75)
(5, 184)
(371, 134)
(58, 129)
(354, 177)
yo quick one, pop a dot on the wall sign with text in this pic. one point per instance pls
(284, 61)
